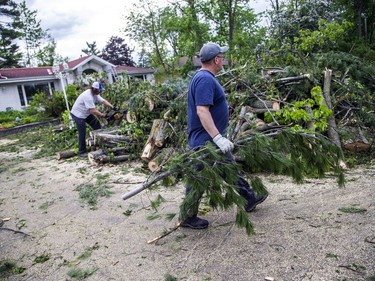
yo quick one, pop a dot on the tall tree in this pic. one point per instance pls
(46, 54)
(9, 50)
(31, 32)
(91, 49)
(117, 52)
(144, 26)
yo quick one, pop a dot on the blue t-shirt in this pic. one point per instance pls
(205, 90)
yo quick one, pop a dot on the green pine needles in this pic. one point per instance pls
(294, 153)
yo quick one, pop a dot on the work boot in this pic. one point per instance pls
(83, 154)
(251, 204)
(195, 222)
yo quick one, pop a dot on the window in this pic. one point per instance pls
(29, 90)
(20, 93)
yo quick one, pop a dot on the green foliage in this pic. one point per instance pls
(296, 114)
(168, 277)
(42, 258)
(8, 268)
(88, 251)
(31, 31)
(352, 210)
(55, 105)
(90, 193)
(323, 38)
(80, 274)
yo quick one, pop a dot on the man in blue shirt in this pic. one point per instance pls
(208, 118)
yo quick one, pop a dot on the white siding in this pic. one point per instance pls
(9, 97)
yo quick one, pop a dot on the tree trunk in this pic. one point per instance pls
(333, 135)
(332, 128)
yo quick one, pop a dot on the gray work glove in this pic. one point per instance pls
(223, 143)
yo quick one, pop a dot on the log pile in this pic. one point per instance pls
(107, 145)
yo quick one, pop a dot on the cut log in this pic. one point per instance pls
(111, 131)
(161, 133)
(131, 117)
(98, 157)
(155, 139)
(161, 158)
(102, 138)
(65, 154)
(150, 104)
(149, 151)
(292, 79)
(261, 110)
(265, 104)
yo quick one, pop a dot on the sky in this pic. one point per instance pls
(72, 23)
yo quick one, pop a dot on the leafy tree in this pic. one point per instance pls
(45, 55)
(144, 26)
(117, 52)
(232, 22)
(31, 32)
(91, 49)
(8, 33)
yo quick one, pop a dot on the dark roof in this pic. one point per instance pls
(35, 72)
(74, 63)
(27, 72)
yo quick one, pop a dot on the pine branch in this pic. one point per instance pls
(297, 154)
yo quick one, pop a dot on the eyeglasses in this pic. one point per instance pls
(221, 57)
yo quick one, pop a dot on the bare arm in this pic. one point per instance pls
(96, 112)
(205, 117)
(107, 103)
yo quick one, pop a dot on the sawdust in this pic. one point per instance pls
(301, 234)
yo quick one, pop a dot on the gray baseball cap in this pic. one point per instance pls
(211, 50)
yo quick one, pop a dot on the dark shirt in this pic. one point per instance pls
(205, 90)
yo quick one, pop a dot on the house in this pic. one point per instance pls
(18, 85)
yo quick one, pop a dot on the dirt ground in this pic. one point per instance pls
(302, 231)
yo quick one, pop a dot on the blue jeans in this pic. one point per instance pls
(81, 127)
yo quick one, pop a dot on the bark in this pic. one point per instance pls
(161, 158)
(65, 154)
(155, 139)
(98, 157)
(265, 104)
(292, 79)
(333, 135)
(332, 128)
